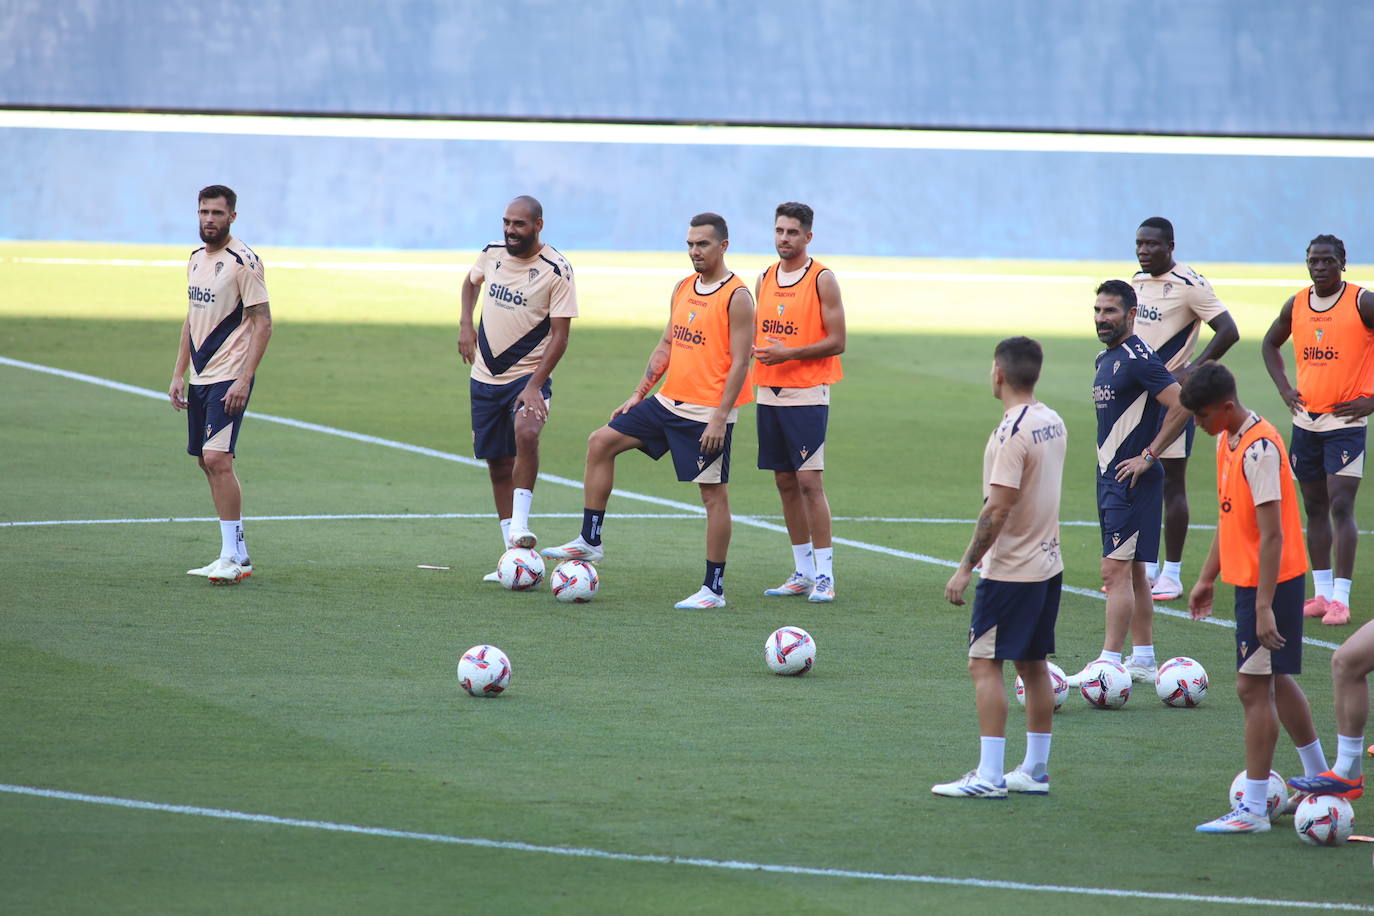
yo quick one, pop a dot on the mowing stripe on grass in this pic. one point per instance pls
(650, 859)
(750, 521)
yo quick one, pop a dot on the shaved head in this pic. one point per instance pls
(531, 205)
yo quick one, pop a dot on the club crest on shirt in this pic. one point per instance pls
(1168, 288)
(1320, 331)
(781, 308)
(219, 266)
(691, 316)
(534, 272)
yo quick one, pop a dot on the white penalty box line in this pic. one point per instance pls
(650, 859)
(749, 521)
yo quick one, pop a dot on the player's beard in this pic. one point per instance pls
(213, 236)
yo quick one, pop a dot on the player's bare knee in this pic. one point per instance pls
(217, 463)
(1116, 572)
(786, 481)
(527, 440)
(810, 484)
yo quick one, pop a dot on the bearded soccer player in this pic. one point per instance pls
(1332, 326)
(1016, 603)
(228, 323)
(703, 358)
(1258, 549)
(528, 303)
(1173, 301)
(797, 346)
(1138, 413)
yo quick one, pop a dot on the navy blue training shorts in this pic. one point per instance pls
(660, 431)
(493, 415)
(1129, 516)
(1014, 621)
(792, 438)
(1314, 456)
(208, 426)
(1251, 657)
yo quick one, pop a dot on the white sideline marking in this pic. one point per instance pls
(484, 516)
(683, 134)
(648, 859)
(750, 521)
(614, 271)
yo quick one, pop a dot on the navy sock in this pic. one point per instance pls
(715, 577)
(591, 525)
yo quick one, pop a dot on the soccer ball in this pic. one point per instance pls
(520, 569)
(1181, 682)
(1275, 797)
(484, 671)
(1108, 685)
(789, 650)
(1057, 681)
(574, 581)
(1324, 820)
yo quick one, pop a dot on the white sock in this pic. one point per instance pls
(825, 561)
(1152, 571)
(805, 563)
(520, 509)
(990, 757)
(505, 534)
(1173, 571)
(1109, 657)
(1256, 799)
(1321, 582)
(1143, 655)
(1349, 748)
(231, 543)
(1313, 760)
(1341, 591)
(1037, 762)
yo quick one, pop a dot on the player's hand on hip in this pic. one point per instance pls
(1200, 600)
(1132, 468)
(530, 405)
(772, 355)
(954, 588)
(629, 405)
(236, 398)
(1354, 408)
(1267, 630)
(467, 344)
(1293, 399)
(177, 393)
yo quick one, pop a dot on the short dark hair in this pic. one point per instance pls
(219, 190)
(1020, 359)
(1162, 224)
(1210, 383)
(534, 206)
(1120, 289)
(801, 212)
(715, 220)
(1332, 241)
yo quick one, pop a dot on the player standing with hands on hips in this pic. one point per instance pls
(528, 303)
(1016, 603)
(228, 323)
(797, 347)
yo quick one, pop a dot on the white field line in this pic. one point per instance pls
(614, 271)
(577, 484)
(647, 859)
(682, 134)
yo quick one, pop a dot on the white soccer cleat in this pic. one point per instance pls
(224, 572)
(246, 568)
(523, 537)
(1076, 680)
(492, 577)
(823, 590)
(574, 550)
(1018, 780)
(1166, 589)
(1239, 820)
(704, 598)
(1141, 674)
(796, 584)
(970, 785)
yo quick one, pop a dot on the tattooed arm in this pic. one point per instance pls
(658, 365)
(990, 521)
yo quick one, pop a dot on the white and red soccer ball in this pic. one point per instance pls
(1058, 682)
(484, 671)
(1324, 820)
(574, 581)
(520, 569)
(1181, 682)
(1275, 796)
(1107, 685)
(789, 650)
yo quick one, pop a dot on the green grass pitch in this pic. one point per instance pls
(323, 688)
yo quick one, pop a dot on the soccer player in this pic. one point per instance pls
(1172, 302)
(1350, 668)
(1017, 599)
(797, 345)
(528, 303)
(703, 358)
(1131, 389)
(1258, 549)
(228, 323)
(1332, 326)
